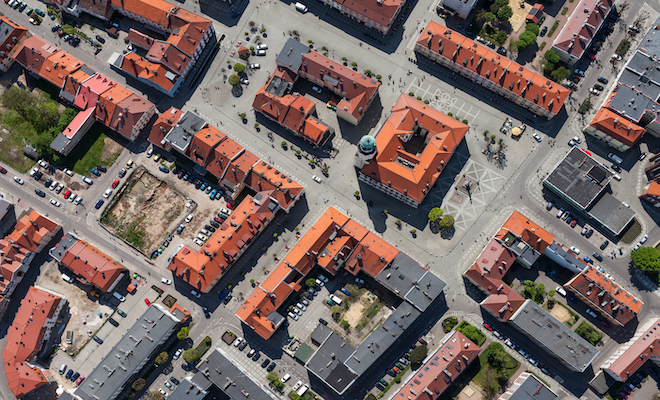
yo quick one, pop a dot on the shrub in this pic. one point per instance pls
(426, 102)
(646, 259)
(504, 13)
(589, 333)
(345, 324)
(239, 68)
(560, 74)
(182, 334)
(251, 23)
(204, 346)
(234, 80)
(311, 282)
(419, 98)
(449, 323)
(139, 384)
(367, 72)
(191, 356)
(283, 143)
(242, 115)
(450, 114)
(472, 333)
(418, 354)
(551, 56)
(411, 94)
(533, 28)
(256, 124)
(490, 17)
(564, 11)
(435, 214)
(551, 293)
(447, 222)
(378, 77)
(465, 121)
(263, 30)
(161, 358)
(354, 64)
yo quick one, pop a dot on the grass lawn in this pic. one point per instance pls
(88, 153)
(479, 339)
(19, 133)
(510, 368)
(631, 234)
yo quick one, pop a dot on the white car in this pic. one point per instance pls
(86, 180)
(78, 199)
(302, 307)
(107, 193)
(594, 91)
(59, 188)
(189, 218)
(297, 385)
(164, 393)
(282, 379)
(537, 137)
(53, 185)
(150, 151)
(72, 198)
(317, 179)
(297, 311)
(198, 242)
(166, 281)
(323, 278)
(54, 202)
(316, 89)
(255, 66)
(644, 239)
(262, 47)
(33, 172)
(18, 180)
(202, 236)
(260, 52)
(177, 354)
(43, 164)
(575, 250)
(68, 172)
(225, 211)
(238, 341)
(292, 315)
(169, 385)
(320, 283)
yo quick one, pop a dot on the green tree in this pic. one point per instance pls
(504, 13)
(182, 334)
(496, 356)
(502, 3)
(494, 8)
(646, 259)
(191, 356)
(154, 395)
(239, 68)
(500, 37)
(560, 74)
(548, 67)
(551, 56)
(161, 358)
(526, 39)
(139, 384)
(490, 17)
(435, 214)
(311, 282)
(272, 376)
(447, 222)
(533, 28)
(234, 80)
(481, 15)
(491, 381)
(418, 354)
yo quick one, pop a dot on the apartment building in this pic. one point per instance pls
(376, 14)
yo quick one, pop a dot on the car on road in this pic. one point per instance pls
(297, 385)
(147, 302)
(245, 81)
(3, 170)
(177, 354)
(255, 66)
(590, 312)
(597, 256)
(18, 180)
(317, 179)
(575, 250)
(605, 323)
(107, 193)
(166, 281)
(317, 89)
(207, 314)
(122, 173)
(260, 52)
(99, 204)
(602, 80)
(180, 229)
(589, 233)
(97, 339)
(589, 260)
(644, 239)
(195, 293)
(100, 39)
(537, 137)
(490, 328)
(115, 183)
(543, 31)
(40, 193)
(54, 202)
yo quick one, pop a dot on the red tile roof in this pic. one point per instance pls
(163, 125)
(620, 128)
(582, 25)
(653, 189)
(488, 272)
(107, 102)
(203, 268)
(33, 52)
(321, 244)
(32, 231)
(90, 89)
(78, 122)
(128, 113)
(145, 69)
(11, 39)
(140, 39)
(381, 12)
(92, 266)
(73, 82)
(495, 69)
(441, 370)
(640, 351)
(285, 191)
(169, 55)
(413, 174)
(24, 340)
(526, 230)
(605, 295)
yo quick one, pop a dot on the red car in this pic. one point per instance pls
(67, 194)
(79, 380)
(490, 328)
(147, 301)
(574, 223)
(605, 323)
(115, 183)
(229, 206)
(218, 220)
(3, 170)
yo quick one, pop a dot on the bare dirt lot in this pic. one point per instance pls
(144, 211)
(81, 305)
(560, 313)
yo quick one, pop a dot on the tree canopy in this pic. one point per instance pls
(311, 282)
(551, 56)
(533, 28)
(446, 222)
(504, 13)
(472, 333)
(490, 17)
(526, 39)
(418, 354)
(191, 356)
(435, 214)
(560, 74)
(239, 68)
(646, 259)
(161, 358)
(182, 334)
(234, 80)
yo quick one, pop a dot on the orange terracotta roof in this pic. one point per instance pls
(25, 337)
(440, 370)
(188, 37)
(203, 268)
(33, 52)
(92, 266)
(163, 125)
(264, 177)
(58, 66)
(620, 128)
(31, 231)
(202, 144)
(73, 81)
(332, 234)
(169, 55)
(107, 102)
(381, 12)
(145, 69)
(140, 39)
(488, 272)
(526, 230)
(12, 38)
(358, 89)
(605, 295)
(411, 163)
(494, 68)
(653, 189)
(639, 352)
(127, 114)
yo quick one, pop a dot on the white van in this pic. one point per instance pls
(205, 232)
(67, 278)
(119, 297)
(615, 158)
(62, 369)
(336, 299)
(303, 9)
(561, 291)
(302, 390)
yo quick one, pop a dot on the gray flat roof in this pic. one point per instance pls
(232, 381)
(188, 389)
(612, 213)
(579, 177)
(291, 54)
(632, 103)
(320, 333)
(532, 389)
(62, 246)
(278, 86)
(555, 337)
(380, 340)
(327, 363)
(181, 133)
(406, 278)
(641, 73)
(61, 142)
(129, 355)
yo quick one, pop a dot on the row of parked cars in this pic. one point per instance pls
(73, 377)
(397, 367)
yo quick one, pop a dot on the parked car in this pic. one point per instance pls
(86, 180)
(95, 172)
(40, 193)
(575, 250)
(591, 232)
(99, 204)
